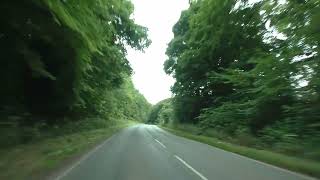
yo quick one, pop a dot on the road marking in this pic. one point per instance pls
(303, 176)
(190, 167)
(82, 159)
(271, 166)
(160, 143)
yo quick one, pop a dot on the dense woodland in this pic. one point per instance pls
(161, 113)
(242, 68)
(64, 61)
(248, 68)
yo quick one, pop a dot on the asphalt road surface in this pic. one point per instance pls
(146, 152)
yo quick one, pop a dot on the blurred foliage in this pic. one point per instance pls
(162, 113)
(67, 58)
(249, 69)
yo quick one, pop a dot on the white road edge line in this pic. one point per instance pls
(190, 167)
(160, 143)
(82, 159)
(305, 176)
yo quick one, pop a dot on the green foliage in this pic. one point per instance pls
(305, 166)
(64, 56)
(38, 159)
(249, 68)
(162, 113)
(65, 60)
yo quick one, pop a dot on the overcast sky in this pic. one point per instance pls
(158, 16)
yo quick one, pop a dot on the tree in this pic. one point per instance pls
(248, 66)
(62, 57)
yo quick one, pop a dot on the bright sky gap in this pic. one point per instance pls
(159, 17)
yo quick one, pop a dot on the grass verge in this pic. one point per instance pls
(304, 166)
(35, 160)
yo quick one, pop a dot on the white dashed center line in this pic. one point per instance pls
(160, 143)
(191, 168)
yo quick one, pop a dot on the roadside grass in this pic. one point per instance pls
(35, 160)
(304, 166)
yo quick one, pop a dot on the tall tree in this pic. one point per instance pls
(248, 66)
(63, 57)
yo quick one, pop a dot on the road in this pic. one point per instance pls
(146, 152)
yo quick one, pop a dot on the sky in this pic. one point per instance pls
(158, 16)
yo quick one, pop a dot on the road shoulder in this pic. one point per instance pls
(308, 167)
(50, 157)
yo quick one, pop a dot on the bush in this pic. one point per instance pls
(28, 134)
